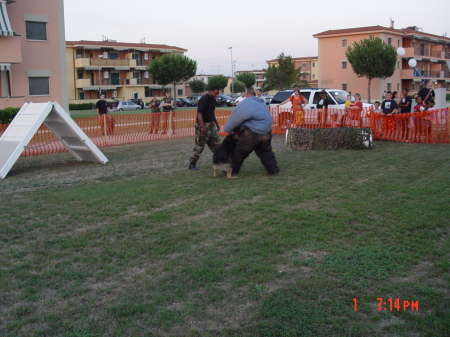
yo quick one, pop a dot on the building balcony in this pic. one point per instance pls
(95, 63)
(82, 82)
(426, 53)
(10, 49)
(408, 74)
(114, 82)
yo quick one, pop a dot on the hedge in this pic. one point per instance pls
(8, 114)
(329, 139)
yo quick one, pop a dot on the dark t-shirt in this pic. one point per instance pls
(424, 92)
(325, 103)
(404, 101)
(102, 107)
(207, 106)
(389, 106)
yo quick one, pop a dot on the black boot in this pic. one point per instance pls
(192, 167)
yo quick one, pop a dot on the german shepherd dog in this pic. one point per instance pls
(223, 157)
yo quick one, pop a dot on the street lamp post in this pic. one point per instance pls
(232, 74)
(99, 80)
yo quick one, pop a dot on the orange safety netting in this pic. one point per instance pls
(110, 130)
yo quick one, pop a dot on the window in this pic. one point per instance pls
(180, 92)
(313, 64)
(82, 95)
(398, 86)
(80, 75)
(114, 56)
(344, 43)
(344, 86)
(313, 77)
(389, 87)
(36, 30)
(304, 77)
(390, 41)
(303, 64)
(39, 86)
(344, 64)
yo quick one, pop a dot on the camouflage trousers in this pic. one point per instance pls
(211, 138)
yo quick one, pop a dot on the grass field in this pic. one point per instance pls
(142, 246)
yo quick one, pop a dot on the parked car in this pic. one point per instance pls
(337, 96)
(267, 99)
(127, 106)
(224, 100)
(185, 102)
(137, 101)
(194, 98)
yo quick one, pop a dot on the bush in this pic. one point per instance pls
(8, 114)
(447, 97)
(329, 139)
(81, 106)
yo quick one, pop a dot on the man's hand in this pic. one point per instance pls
(203, 130)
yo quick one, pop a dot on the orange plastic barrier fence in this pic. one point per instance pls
(420, 127)
(417, 127)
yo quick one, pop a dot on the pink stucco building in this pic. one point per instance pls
(32, 52)
(432, 53)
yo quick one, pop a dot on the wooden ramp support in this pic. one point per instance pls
(27, 122)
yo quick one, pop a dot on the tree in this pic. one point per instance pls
(172, 69)
(197, 86)
(282, 75)
(219, 80)
(247, 78)
(372, 58)
(238, 86)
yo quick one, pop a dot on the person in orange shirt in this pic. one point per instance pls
(298, 101)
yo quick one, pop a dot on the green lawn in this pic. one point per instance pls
(142, 246)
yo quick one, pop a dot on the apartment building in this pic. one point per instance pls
(260, 76)
(309, 68)
(114, 69)
(432, 53)
(32, 52)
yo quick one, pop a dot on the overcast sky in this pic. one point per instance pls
(257, 30)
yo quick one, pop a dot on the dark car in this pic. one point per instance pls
(184, 102)
(224, 100)
(137, 101)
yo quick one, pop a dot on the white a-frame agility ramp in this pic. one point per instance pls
(26, 123)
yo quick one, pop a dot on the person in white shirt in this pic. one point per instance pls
(240, 98)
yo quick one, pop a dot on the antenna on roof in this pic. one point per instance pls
(392, 23)
(143, 40)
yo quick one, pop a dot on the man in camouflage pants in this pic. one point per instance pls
(206, 127)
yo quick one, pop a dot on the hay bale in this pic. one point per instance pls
(329, 139)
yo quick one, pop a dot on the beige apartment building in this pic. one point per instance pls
(115, 69)
(32, 52)
(260, 76)
(432, 53)
(309, 68)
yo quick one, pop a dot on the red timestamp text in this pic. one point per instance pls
(392, 304)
